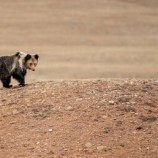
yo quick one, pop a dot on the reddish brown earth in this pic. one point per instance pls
(80, 119)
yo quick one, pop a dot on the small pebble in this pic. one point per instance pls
(111, 102)
(101, 148)
(13, 122)
(133, 103)
(15, 112)
(104, 116)
(88, 145)
(79, 99)
(69, 108)
(50, 130)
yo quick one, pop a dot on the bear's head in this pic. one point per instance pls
(27, 61)
(31, 61)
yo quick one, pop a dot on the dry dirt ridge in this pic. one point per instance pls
(80, 119)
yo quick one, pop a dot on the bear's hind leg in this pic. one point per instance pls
(6, 82)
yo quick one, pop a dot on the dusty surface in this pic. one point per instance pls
(83, 38)
(80, 119)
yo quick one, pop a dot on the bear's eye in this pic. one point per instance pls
(30, 64)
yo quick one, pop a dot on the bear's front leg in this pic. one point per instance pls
(20, 78)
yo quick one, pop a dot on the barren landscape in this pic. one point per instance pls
(94, 93)
(80, 119)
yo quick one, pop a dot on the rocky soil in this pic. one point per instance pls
(80, 119)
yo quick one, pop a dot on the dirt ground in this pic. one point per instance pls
(80, 119)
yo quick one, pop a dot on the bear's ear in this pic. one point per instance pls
(36, 56)
(28, 56)
(17, 54)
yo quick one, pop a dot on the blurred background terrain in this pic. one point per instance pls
(84, 38)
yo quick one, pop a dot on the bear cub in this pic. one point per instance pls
(16, 66)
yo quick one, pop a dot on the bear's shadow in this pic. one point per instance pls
(15, 87)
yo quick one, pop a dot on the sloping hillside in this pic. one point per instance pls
(80, 119)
